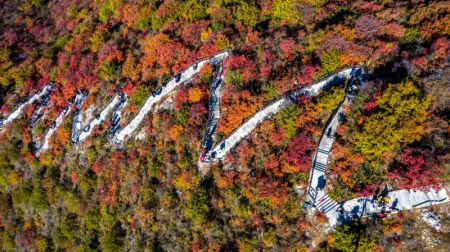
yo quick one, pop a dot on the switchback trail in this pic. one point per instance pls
(210, 153)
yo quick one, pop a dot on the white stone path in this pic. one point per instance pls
(81, 132)
(115, 107)
(186, 75)
(41, 147)
(336, 212)
(226, 145)
(46, 90)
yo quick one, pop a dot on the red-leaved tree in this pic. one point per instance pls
(416, 168)
(298, 155)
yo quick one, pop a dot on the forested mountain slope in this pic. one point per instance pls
(148, 193)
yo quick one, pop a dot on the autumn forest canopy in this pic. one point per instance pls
(149, 195)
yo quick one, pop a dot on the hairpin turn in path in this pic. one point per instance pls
(209, 153)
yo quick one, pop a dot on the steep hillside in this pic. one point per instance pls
(206, 125)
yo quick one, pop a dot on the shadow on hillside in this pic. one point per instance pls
(392, 72)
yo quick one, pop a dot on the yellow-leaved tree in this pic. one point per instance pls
(398, 122)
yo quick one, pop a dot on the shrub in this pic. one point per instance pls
(98, 38)
(140, 95)
(194, 10)
(107, 70)
(247, 14)
(108, 8)
(330, 61)
(285, 12)
(402, 110)
(7, 241)
(411, 35)
(38, 200)
(148, 196)
(113, 240)
(197, 208)
(350, 238)
(286, 118)
(270, 237)
(270, 90)
(5, 170)
(22, 194)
